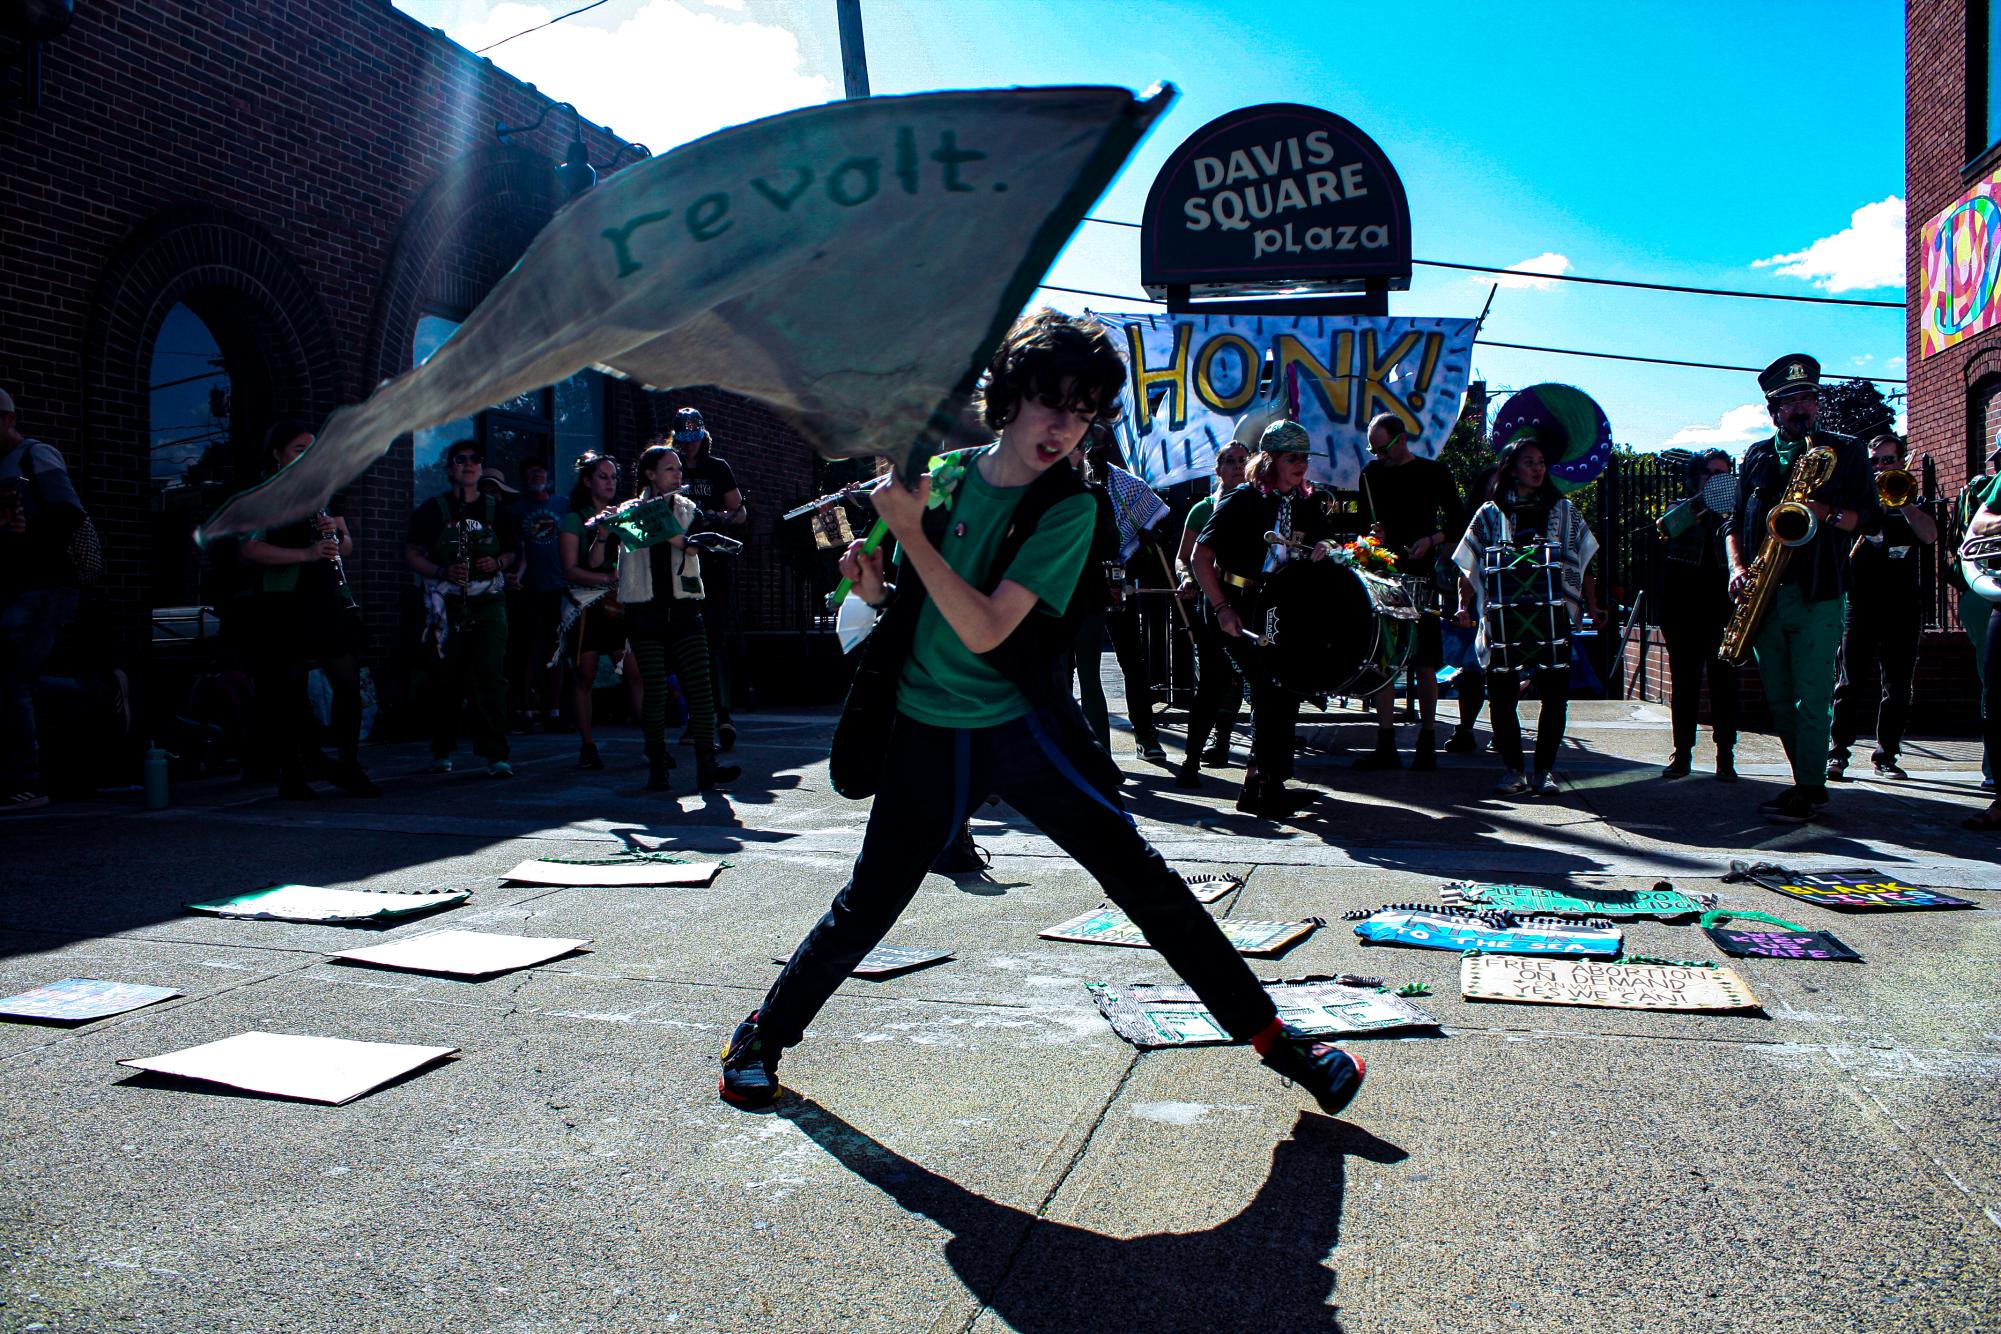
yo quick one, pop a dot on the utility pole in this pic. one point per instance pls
(854, 59)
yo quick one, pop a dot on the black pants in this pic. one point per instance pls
(1694, 612)
(1990, 679)
(1879, 655)
(1504, 692)
(1130, 647)
(1274, 709)
(1219, 688)
(532, 618)
(932, 778)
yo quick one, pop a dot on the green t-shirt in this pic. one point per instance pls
(945, 683)
(1198, 515)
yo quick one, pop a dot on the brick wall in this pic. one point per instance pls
(1949, 391)
(309, 176)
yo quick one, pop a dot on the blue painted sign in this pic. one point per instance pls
(1446, 931)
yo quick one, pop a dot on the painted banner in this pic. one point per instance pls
(1459, 932)
(1747, 943)
(1855, 888)
(1616, 986)
(78, 1000)
(1961, 254)
(1171, 1016)
(849, 266)
(1664, 901)
(1193, 379)
(310, 903)
(1108, 926)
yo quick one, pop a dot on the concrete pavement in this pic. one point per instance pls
(970, 1146)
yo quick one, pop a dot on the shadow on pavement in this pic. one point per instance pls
(1261, 1269)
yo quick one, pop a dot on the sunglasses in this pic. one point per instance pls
(457, 459)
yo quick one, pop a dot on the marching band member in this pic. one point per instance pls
(306, 616)
(1231, 560)
(979, 618)
(1884, 622)
(461, 545)
(1986, 522)
(1523, 504)
(661, 588)
(1219, 690)
(589, 557)
(1695, 606)
(1796, 644)
(1974, 610)
(1410, 504)
(712, 485)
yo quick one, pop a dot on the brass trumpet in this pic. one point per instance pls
(1895, 488)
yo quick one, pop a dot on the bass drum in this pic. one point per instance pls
(1336, 630)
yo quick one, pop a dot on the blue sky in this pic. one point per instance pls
(1679, 143)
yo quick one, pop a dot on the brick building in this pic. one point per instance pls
(220, 213)
(1952, 147)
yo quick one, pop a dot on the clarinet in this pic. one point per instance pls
(465, 555)
(340, 566)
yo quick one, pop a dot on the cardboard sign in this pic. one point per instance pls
(1768, 944)
(1533, 899)
(888, 960)
(287, 1065)
(1171, 1016)
(310, 903)
(78, 1000)
(464, 953)
(1452, 931)
(612, 872)
(1209, 888)
(1109, 926)
(1618, 986)
(1855, 888)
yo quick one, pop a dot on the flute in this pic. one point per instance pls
(825, 502)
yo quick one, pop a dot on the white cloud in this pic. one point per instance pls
(1894, 363)
(664, 74)
(1868, 252)
(1547, 262)
(1737, 426)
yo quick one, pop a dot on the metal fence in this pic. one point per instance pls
(1636, 490)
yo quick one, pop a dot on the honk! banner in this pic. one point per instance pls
(1194, 378)
(849, 266)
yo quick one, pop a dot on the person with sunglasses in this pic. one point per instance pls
(461, 545)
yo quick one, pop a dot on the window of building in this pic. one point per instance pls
(1983, 79)
(189, 471)
(551, 426)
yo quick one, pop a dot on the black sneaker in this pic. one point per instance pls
(1460, 742)
(1837, 769)
(1676, 767)
(750, 1067)
(352, 779)
(1886, 766)
(1330, 1074)
(1150, 747)
(1771, 804)
(962, 856)
(1796, 808)
(1382, 757)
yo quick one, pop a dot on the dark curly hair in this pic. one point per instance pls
(1039, 353)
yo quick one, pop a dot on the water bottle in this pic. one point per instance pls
(156, 778)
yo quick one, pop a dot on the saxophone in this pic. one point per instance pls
(1790, 524)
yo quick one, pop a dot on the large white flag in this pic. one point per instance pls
(1194, 381)
(850, 266)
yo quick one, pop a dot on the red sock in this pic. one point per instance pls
(1262, 1039)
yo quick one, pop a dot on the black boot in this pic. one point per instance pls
(1384, 756)
(657, 764)
(708, 773)
(1247, 800)
(1189, 776)
(1427, 751)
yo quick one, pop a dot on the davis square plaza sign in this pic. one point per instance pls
(1276, 198)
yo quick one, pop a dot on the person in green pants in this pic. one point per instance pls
(1796, 646)
(461, 545)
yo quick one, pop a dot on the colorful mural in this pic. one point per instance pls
(1962, 264)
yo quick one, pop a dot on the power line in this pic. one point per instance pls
(1619, 282)
(538, 27)
(1522, 347)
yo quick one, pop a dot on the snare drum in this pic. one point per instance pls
(1336, 630)
(1527, 621)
